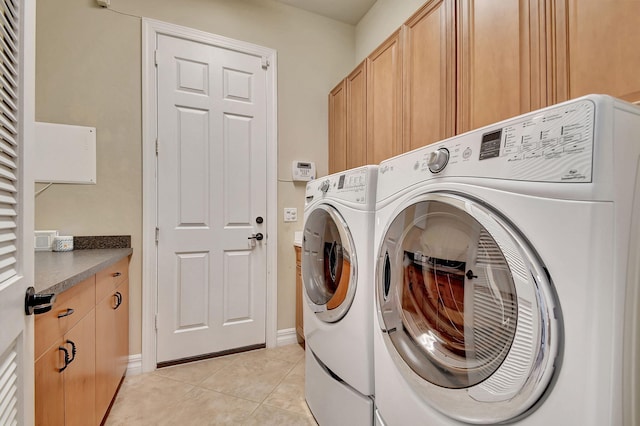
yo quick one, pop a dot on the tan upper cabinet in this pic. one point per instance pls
(457, 65)
(337, 129)
(501, 65)
(356, 86)
(596, 49)
(429, 81)
(384, 100)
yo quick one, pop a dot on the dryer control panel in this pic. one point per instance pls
(554, 144)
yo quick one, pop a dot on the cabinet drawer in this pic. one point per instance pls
(69, 308)
(109, 278)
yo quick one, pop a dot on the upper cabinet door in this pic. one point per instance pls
(356, 86)
(596, 48)
(384, 101)
(337, 129)
(501, 60)
(429, 67)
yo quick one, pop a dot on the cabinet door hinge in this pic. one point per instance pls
(157, 234)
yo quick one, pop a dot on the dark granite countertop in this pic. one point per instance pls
(56, 272)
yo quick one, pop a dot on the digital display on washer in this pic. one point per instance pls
(341, 182)
(490, 146)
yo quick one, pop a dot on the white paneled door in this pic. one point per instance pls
(212, 130)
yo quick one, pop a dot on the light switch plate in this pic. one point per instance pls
(290, 214)
(44, 240)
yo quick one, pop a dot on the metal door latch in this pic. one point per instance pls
(38, 303)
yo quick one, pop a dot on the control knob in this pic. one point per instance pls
(438, 160)
(324, 186)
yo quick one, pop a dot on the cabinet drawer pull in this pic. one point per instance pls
(67, 360)
(116, 274)
(73, 351)
(65, 313)
(118, 296)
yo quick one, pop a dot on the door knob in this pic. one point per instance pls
(257, 236)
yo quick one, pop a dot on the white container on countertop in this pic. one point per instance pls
(63, 243)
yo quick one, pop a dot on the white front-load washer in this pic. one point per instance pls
(337, 276)
(508, 273)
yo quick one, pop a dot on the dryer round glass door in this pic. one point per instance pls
(328, 264)
(466, 308)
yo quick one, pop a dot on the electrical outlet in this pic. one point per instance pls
(290, 214)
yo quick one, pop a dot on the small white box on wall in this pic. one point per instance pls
(44, 240)
(65, 153)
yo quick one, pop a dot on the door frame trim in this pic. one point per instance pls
(150, 30)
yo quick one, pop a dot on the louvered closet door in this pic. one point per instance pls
(17, 35)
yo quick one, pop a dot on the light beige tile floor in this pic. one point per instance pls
(262, 387)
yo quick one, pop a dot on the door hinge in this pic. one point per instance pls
(155, 57)
(265, 62)
(156, 146)
(156, 322)
(157, 234)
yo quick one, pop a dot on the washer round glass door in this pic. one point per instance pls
(328, 264)
(467, 309)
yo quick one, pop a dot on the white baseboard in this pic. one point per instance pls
(286, 336)
(135, 365)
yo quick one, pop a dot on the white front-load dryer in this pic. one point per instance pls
(337, 276)
(507, 273)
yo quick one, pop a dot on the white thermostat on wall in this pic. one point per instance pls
(303, 171)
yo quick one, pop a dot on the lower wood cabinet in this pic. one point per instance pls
(112, 347)
(79, 383)
(65, 386)
(299, 297)
(81, 350)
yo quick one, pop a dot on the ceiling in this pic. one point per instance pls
(348, 11)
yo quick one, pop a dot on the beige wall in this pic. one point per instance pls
(89, 73)
(384, 17)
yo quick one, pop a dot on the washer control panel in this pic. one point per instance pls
(352, 185)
